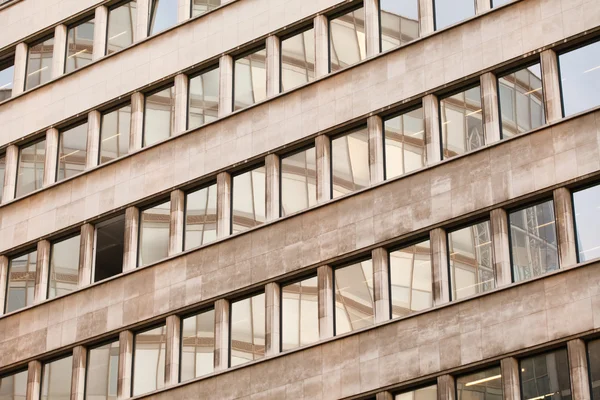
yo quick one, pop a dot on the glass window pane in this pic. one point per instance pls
(201, 217)
(299, 313)
(39, 63)
(449, 12)
(249, 203)
(149, 360)
(533, 241)
(580, 78)
(426, 393)
(114, 134)
(298, 60)
(122, 21)
(72, 151)
(250, 80)
(204, 98)
(2, 171)
(404, 143)
(64, 267)
(498, 3)
(203, 6)
(462, 127)
(298, 181)
(197, 345)
(593, 348)
(247, 329)
(546, 376)
(13, 387)
(7, 71)
(101, 372)
(154, 233)
(110, 238)
(163, 15)
(481, 385)
(399, 22)
(159, 116)
(347, 41)
(587, 220)
(21, 281)
(411, 279)
(354, 305)
(350, 162)
(56, 379)
(471, 263)
(31, 168)
(80, 45)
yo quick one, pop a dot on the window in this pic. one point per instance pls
(101, 372)
(110, 239)
(533, 241)
(203, 6)
(14, 386)
(159, 115)
(298, 181)
(471, 263)
(122, 21)
(7, 71)
(249, 202)
(80, 45)
(481, 385)
(163, 15)
(587, 219)
(399, 22)
(426, 393)
(546, 376)
(593, 348)
(404, 143)
(521, 101)
(449, 12)
(201, 217)
(64, 267)
(462, 127)
(21, 281)
(299, 313)
(56, 379)
(72, 151)
(498, 3)
(149, 360)
(115, 133)
(350, 162)
(204, 98)
(250, 79)
(580, 78)
(247, 329)
(2, 172)
(354, 302)
(30, 175)
(39, 63)
(411, 279)
(298, 59)
(347, 41)
(154, 233)
(198, 345)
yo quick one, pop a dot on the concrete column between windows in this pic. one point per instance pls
(100, 27)
(225, 85)
(59, 55)
(273, 70)
(177, 222)
(184, 8)
(376, 157)
(439, 263)
(426, 17)
(137, 122)
(381, 284)
(446, 388)
(272, 165)
(143, 18)
(132, 222)
(93, 139)
(510, 378)
(34, 380)
(223, 204)
(221, 335)
(273, 301)
(42, 271)
(86, 254)
(181, 103)
(372, 31)
(384, 396)
(3, 282)
(51, 160)
(78, 373)
(551, 85)
(10, 173)
(125, 365)
(489, 102)
(578, 368)
(431, 113)
(172, 350)
(325, 301)
(321, 25)
(482, 6)
(501, 247)
(323, 150)
(565, 227)
(20, 68)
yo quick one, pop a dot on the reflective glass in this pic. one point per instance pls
(56, 379)
(462, 127)
(593, 348)
(298, 60)
(201, 217)
(154, 233)
(587, 220)
(159, 116)
(7, 70)
(198, 345)
(426, 393)
(533, 241)
(204, 98)
(64, 267)
(122, 21)
(101, 372)
(13, 387)
(72, 151)
(249, 202)
(354, 302)
(546, 376)
(580, 78)
(21, 281)
(80, 45)
(110, 238)
(498, 3)
(481, 385)
(203, 6)
(149, 360)
(163, 15)
(30, 176)
(247, 329)
(39, 63)
(299, 313)
(114, 134)
(350, 162)
(250, 80)
(399, 22)
(449, 12)
(521, 101)
(2, 172)
(347, 41)
(298, 181)
(411, 279)
(404, 143)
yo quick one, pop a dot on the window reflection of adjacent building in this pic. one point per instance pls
(247, 329)
(197, 345)
(297, 59)
(299, 313)
(480, 385)
(39, 63)
(13, 386)
(399, 22)
(425, 393)
(21, 281)
(404, 143)
(350, 162)
(80, 45)
(149, 360)
(462, 126)
(354, 298)
(122, 20)
(249, 199)
(546, 376)
(347, 41)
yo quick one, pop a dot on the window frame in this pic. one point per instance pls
(29, 46)
(182, 318)
(301, 149)
(104, 112)
(291, 281)
(249, 168)
(230, 327)
(154, 203)
(103, 223)
(307, 26)
(209, 68)
(195, 189)
(91, 347)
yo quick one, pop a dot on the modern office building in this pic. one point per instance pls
(300, 199)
